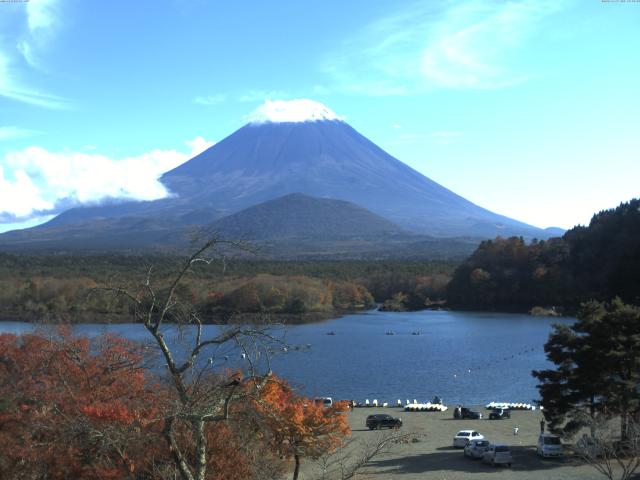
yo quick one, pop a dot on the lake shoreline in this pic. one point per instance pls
(221, 319)
(254, 318)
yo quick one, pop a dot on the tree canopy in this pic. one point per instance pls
(599, 262)
(597, 368)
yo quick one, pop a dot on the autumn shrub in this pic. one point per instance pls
(74, 408)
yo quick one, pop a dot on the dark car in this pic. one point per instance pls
(499, 414)
(382, 420)
(464, 412)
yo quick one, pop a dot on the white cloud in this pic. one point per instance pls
(210, 100)
(299, 110)
(29, 54)
(43, 22)
(21, 53)
(471, 44)
(11, 88)
(9, 133)
(20, 196)
(35, 180)
(198, 145)
(42, 15)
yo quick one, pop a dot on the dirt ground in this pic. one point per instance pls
(433, 456)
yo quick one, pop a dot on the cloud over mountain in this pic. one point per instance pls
(36, 180)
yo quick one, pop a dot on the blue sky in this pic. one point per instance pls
(528, 108)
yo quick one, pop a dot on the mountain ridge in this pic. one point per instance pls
(325, 159)
(297, 215)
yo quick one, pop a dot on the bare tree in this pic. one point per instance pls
(604, 450)
(203, 392)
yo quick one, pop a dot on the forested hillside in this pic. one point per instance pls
(598, 262)
(58, 288)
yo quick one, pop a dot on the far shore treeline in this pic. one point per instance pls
(597, 262)
(59, 287)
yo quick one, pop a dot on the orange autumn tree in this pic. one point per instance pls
(300, 427)
(70, 408)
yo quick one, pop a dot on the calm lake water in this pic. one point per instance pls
(470, 358)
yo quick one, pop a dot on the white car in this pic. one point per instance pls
(549, 445)
(465, 436)
(497, 455)
(475, 448)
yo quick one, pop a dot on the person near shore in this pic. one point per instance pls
(542, 424)
(515, 430)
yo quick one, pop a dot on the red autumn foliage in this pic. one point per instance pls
(71, 408)
(299, 426)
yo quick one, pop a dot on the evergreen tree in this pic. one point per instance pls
(597, 368)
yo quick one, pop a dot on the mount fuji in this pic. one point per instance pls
(286, 148)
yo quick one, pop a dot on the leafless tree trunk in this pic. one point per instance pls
(607, 451)
(201, 395)
(296, 469)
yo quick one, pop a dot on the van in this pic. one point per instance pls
(549, 445)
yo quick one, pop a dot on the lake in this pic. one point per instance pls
(464, 357)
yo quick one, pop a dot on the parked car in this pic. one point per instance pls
(549, 445)
(325, 401)
(497, 455)
(499, 414)
(381, 420)
(465, 436)
(464, 412)
(475, 448)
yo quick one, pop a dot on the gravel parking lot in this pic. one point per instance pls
(433, 456)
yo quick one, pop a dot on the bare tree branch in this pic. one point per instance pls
(202, 395)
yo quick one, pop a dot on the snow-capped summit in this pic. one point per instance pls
(292, 111)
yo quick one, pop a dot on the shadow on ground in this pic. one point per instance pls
(453, 460)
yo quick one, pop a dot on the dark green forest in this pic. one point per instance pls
(597, 262)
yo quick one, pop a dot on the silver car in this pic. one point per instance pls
(475, 448)
(497, 455)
